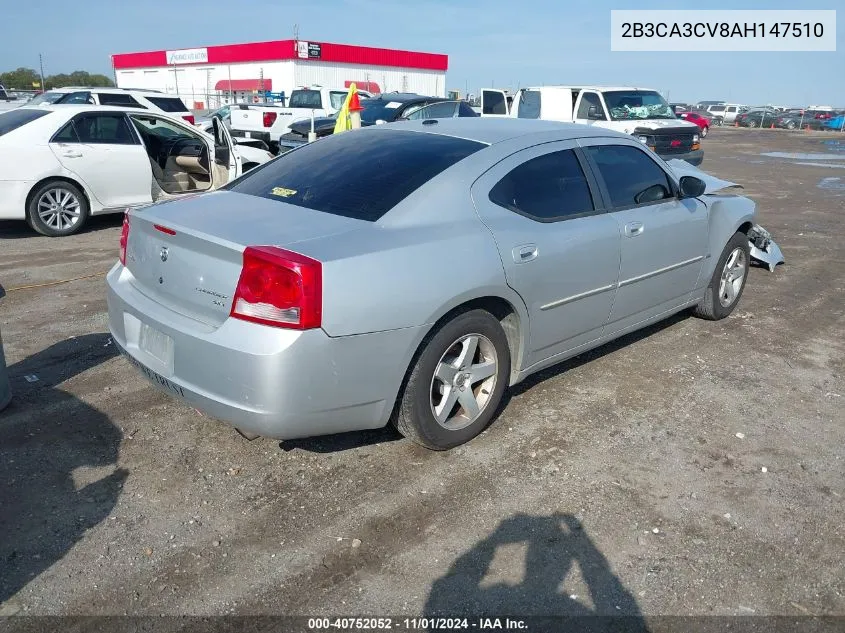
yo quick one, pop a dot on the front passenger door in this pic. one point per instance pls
(559, 249)
(664, 239)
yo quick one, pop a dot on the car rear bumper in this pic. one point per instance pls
(274, 382)
(694, 157)
(264, 136)
(13, 198)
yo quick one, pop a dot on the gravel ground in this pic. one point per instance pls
(692, 468)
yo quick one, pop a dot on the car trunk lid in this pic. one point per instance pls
(187, 254)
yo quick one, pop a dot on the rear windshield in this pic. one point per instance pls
(306, 99)
(168, 104)
(380, 110)
(46, 97)
(13, 119)
(359, 174)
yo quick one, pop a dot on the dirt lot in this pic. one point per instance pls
(616, 483)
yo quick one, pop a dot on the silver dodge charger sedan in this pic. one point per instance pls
(411, 272)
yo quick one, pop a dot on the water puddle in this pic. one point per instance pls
(833, 183)
(834, 145)
(828, 165)
(799, 156)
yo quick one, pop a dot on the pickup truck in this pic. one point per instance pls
(640, 112)
(269, 122)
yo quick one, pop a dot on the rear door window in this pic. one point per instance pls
(13, 119)
(546, 188)
(168, 104)
(494, 103)
(360, 175)
(118, 99)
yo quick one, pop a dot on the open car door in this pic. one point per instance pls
(227, 160)
(494, 102)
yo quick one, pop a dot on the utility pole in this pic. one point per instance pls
(41, 66)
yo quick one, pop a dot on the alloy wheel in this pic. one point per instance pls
(733, 276)
(463, 382)
(59, 209)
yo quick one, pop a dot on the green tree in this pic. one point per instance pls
(78, 78)
(20, 79)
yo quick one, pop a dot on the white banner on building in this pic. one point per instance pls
(187, 56)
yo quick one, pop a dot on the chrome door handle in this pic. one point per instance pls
(632, 229)
(524, 253)
(72, 154)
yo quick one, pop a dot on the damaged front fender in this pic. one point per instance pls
(763, 247)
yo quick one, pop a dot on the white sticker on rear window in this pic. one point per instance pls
(393, 104)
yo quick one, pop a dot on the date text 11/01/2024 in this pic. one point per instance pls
(722, 29)
(417, 624)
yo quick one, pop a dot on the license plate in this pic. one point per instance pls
(155, 378)
(249, 134)
(156, 344)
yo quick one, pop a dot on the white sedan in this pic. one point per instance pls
(60, 164)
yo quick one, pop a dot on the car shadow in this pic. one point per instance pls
(58, 474)
(360, 439)
(535, 580)
(19, 229)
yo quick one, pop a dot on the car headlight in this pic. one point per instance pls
(643, 139)
(696, 138)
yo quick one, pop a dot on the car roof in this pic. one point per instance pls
(76, 108)
(402, 97)
(492, 130)
(596, 88)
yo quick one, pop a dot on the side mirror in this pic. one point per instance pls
(691, 187)
(594, 113)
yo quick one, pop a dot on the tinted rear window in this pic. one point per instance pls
(168, 104)
(359, 175)
(13, 119)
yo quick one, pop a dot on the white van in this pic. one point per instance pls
(640, 112)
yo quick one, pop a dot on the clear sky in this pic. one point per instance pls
(503, 42)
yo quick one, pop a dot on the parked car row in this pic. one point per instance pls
(62, 164)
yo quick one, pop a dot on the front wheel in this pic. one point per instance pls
(728, 280)
(456, 383)
(790, 125)
(57, 209)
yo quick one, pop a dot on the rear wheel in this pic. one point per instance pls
(456, 383)
(790, 125)
(57, 208)
(728, 280)
(752, 123)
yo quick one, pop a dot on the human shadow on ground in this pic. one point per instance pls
(49, 494)
(553, 545)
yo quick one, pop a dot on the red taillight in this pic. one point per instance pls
(270, 118)
(164, 229)
(124, 237)
(189, 118)
(279, 288)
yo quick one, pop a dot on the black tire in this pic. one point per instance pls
(415, 417)
(790, 125)
(704, 131)
(712, 307)
(57, 189)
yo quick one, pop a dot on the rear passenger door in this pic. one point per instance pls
(664, 239)
(104, 152)
(560, 250)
